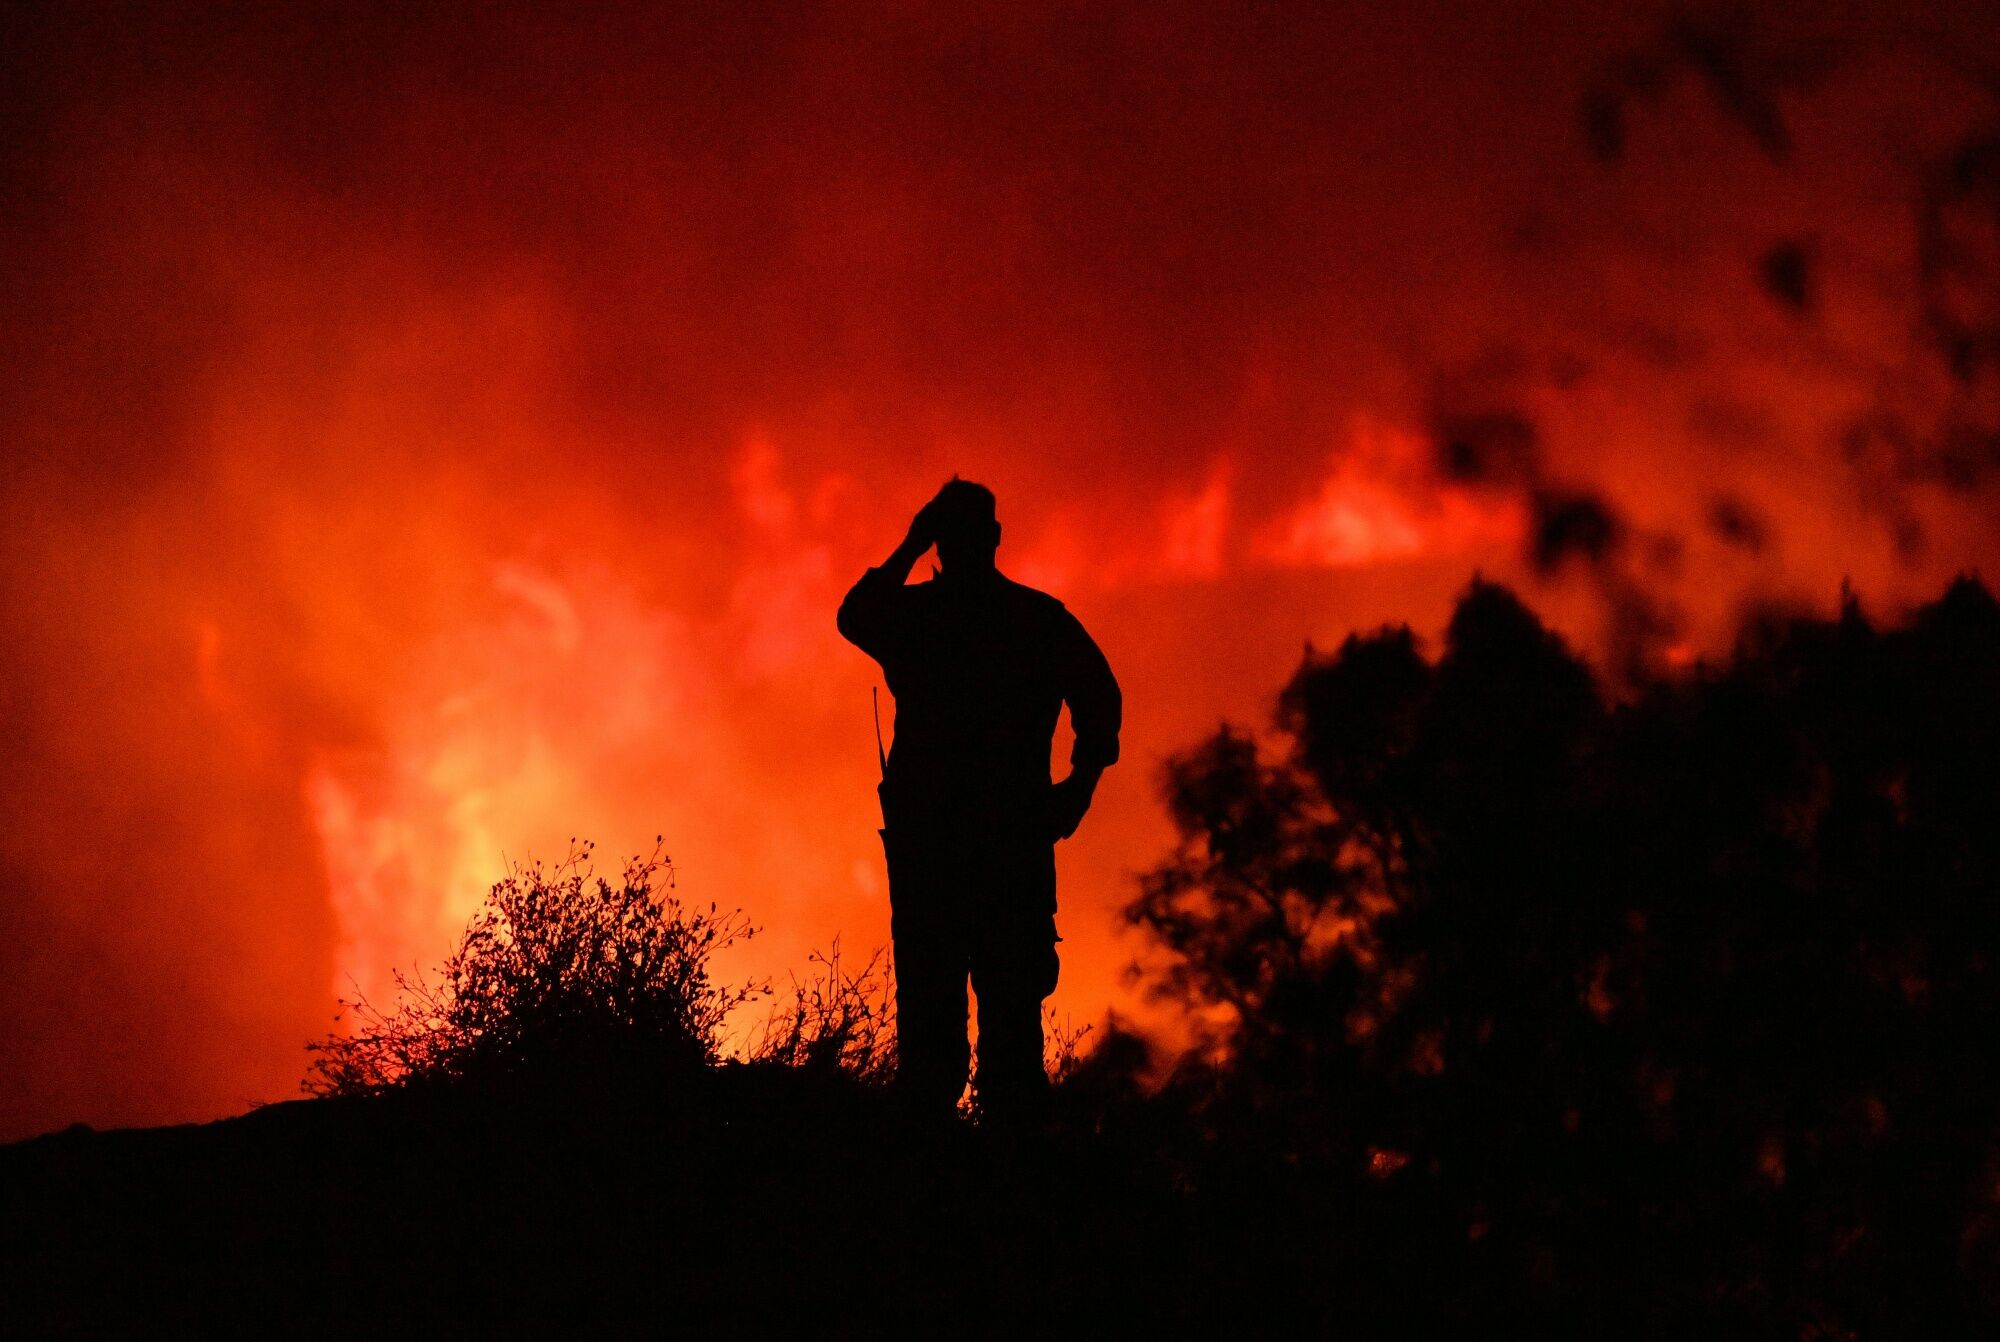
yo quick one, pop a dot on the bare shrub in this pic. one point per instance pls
(1061, 1054)
(559, 970)
(836, 1021)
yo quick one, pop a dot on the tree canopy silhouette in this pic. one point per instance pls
(1680, 1007)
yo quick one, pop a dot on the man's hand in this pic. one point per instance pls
(1069, 799)
(919, 538)
(923, 527)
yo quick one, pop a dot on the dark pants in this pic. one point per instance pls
(971, 903)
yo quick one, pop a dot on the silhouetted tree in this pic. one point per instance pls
(1681, 1008)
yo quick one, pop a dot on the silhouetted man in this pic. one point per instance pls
(980, 667)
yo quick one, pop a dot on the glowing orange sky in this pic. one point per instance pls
(434, 439)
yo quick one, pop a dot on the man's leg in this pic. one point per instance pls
(931, 1049)
(1014, 968)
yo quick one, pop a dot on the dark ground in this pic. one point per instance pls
(746, 1200)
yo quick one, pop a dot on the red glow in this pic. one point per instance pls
(431, 442)
(1382, 503)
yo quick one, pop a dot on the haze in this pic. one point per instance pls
(433, 438)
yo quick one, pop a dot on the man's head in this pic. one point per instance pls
(964, 526)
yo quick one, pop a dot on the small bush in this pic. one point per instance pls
(837, 1021)
(559, 971)
(1063, 1053)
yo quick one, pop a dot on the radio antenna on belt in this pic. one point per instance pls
(881, 756)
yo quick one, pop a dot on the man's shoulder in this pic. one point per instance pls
(1015, 602)
(999, 585)
(1032, 599)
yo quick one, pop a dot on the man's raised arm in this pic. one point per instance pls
(867, 612)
